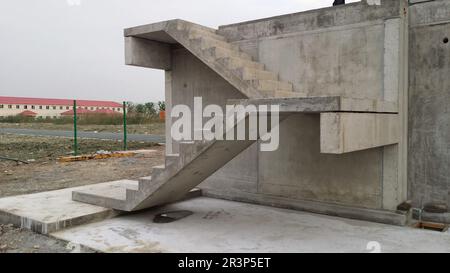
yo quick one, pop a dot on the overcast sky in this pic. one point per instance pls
(54, 49)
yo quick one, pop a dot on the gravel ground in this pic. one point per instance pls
(16, 240)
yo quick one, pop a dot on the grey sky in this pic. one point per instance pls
(50, 48)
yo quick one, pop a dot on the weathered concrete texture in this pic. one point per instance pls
(390, 217)
(429, 12)
(349, 132)
(54, 210)
(330, 62)
(113, 195)
(213, 228)
(299, 171)
(429, 100)
(331, 51)
(310, 20)
(146, 53)
(322, 104)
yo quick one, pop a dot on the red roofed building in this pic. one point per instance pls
(53, 108)
(28, 113)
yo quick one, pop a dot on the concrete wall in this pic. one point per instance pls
(351, 51)
(429, 102)
(297, 170)
(333, 51)
(354, 51)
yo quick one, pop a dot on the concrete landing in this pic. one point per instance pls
(47, 212)
(111, 193)
(227, 226)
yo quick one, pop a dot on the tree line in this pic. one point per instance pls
(148, 109)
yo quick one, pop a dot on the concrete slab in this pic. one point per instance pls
(320, 104)
(226, 226)
(54, 210)
(349, 132)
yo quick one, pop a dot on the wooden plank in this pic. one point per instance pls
(95, 156)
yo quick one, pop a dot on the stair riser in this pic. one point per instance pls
(271, 85)
(234, 63)
(196, 34)
(281, 94)
(157, 172)
(204, 43)
(217, 53)
(170, 159)
(142, 182)
(254, 74)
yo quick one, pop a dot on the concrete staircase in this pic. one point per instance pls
(346, 124)
(197, 160)
(248, 76)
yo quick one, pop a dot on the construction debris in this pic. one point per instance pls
(102, 155)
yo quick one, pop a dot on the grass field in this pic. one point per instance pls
(49, 148)
(156, 128)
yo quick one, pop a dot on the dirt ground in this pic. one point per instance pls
(16, 240)
(44, 173)
(157, 128)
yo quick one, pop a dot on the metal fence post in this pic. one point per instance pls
(75, 140)
(125, 146)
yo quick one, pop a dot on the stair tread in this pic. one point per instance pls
(211, 34)
(222, 52)
(207, 42)
(110, 191)
(145, 178)
(241, 63)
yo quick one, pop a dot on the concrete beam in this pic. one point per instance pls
(349, 132)
(323, 104)
(146, 53)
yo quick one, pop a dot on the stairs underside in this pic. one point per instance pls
(249, 77)
(168, 183)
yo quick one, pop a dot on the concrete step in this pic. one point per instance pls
(221, 52)
(171, 159)
(281, 94)
(255, 74)
(236, 63)
(106, 195)
(270, 85)
(157, 171)
(199, 33)
(143, 181)
(206, 42)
